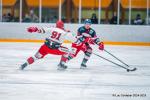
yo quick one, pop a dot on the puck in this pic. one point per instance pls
(128, 70)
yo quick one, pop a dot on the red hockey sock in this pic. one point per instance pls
(30, 60)
(64, 59)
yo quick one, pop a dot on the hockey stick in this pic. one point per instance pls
(116, 58)
(116, 63)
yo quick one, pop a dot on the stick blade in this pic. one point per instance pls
(134, 69)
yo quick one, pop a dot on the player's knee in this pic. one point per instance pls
(35, 57)
(86, 57)
(89, 50)
(38, 55)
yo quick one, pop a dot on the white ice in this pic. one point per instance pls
(100, 81)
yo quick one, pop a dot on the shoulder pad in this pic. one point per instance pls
(81, 29)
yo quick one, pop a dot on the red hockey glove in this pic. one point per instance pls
(101, 46)
(32, 29)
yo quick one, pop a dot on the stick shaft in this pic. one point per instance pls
(116, 58)
(110, 61)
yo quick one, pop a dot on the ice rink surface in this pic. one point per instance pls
(100, 81)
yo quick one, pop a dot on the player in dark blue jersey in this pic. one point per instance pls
(85, 36)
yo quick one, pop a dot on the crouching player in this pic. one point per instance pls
(85, 36)
(53, 43)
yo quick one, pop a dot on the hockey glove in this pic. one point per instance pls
(101, 46)
(32, 29)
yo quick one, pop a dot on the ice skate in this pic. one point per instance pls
(61, 66)
(23, 66)
(83, 66)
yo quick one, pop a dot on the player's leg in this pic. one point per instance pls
(64, 52)
(69, 55)
(40, 54)
(59, 51)
(87, 53)
(64, 59)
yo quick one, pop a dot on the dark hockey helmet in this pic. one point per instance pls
(87, 21)
(60, 24)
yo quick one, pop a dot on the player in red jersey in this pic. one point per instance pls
(85, 37)
(53, 43)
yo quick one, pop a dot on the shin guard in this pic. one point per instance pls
(30, 60)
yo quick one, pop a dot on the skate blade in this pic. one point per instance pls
(61, 69)
(83, 68)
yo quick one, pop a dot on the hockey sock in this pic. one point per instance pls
(31, 60)
(84, 61)
(63, 59)
(87, 56)
(70, 57)
(66, 58)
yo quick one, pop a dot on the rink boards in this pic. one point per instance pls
(110, 34)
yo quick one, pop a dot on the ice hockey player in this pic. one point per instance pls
(53, 43)
(85, 36)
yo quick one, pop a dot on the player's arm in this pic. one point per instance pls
(97, 41)
(81, 36)
(70, 37)
(41, 30)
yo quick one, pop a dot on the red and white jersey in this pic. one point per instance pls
(56, 34)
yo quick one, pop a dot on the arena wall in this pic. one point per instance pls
(110, 34)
